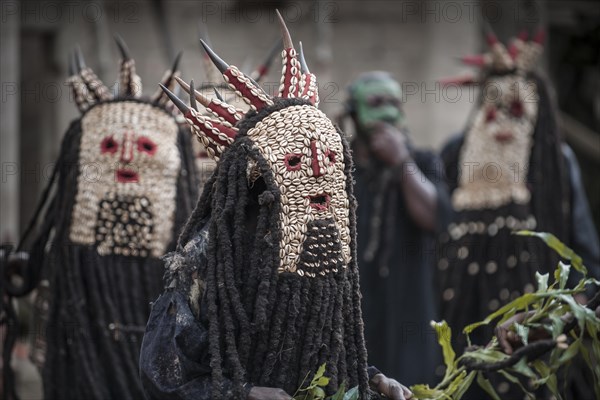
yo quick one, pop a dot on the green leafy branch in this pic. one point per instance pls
(553, 310)
(315, 390)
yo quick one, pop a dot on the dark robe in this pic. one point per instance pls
(396, 260)
(482, 265)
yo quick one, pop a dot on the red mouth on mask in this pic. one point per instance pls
(125, 175)
(504, 137)
(320, 202)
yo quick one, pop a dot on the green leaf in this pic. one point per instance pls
(524, 369)
(323, 381)
(464, 385)
(318, 393)
(352, 394)
(487, 355)
(319, 372)
(557, 325)
(339, 395)
(561, 274)
(542, 281)
(558, 246)
(487, 386)
(523, 332)
(517, 304)
(444, 335)
(570, 352)
(424, 392)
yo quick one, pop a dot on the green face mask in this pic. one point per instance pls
(378, 101)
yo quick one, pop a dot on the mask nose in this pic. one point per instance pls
(316, 156)
(127, 148)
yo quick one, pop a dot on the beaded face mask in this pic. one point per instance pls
(495, 156)
(129, 164)
(303, 150)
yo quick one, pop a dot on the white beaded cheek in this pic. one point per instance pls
(305, 153)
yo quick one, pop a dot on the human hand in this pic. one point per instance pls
(388, 144)
(268, 393)
(509, 340)
(390, 388)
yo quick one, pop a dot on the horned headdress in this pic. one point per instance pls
(122, 187)
(219, 132)
(271, 241)
(520, 57)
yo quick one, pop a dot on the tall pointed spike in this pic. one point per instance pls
(123, 49)
(176, 100)
(189, 89)
(79, 58)
(490, 36)
(175, 66)
(193, 103)
(72, 64)
(218, 95)
(285, 33)
(219, 63)
(303, 66)
(478, 60)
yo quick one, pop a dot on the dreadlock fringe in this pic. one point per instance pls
(99, 304)
(265, 327)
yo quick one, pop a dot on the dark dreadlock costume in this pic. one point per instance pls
(509, 171)
(264, 286)
(122, 187)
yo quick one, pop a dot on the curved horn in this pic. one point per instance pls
(240, 83)
(290, 74)
(130, 84)
(308, 82)
(215, 136)
(261, 71)
(192, 92)
(517, 43)
(477, 60)
(226, 113)
(168, 80)
(81, 95)
(94, 85)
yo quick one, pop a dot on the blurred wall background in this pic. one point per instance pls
(418, 41)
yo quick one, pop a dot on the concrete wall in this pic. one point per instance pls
(415, 40)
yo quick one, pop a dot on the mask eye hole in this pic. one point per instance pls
(146, 145)
(491, 114)
(516, 109)
(330, 156)
(109, 145)
(293, 162)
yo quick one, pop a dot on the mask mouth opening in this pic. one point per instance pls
(320, 202)
(125, 175)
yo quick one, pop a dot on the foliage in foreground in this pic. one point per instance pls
(548, 308)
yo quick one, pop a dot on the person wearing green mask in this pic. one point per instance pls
(402, 200)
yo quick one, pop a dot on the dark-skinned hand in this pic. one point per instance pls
(388, 144)
(390, 388)
(509, 341)
(268, 393)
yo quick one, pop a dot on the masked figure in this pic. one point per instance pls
(124, 184)
(263, 288)
(509, 171)
(402, 199)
